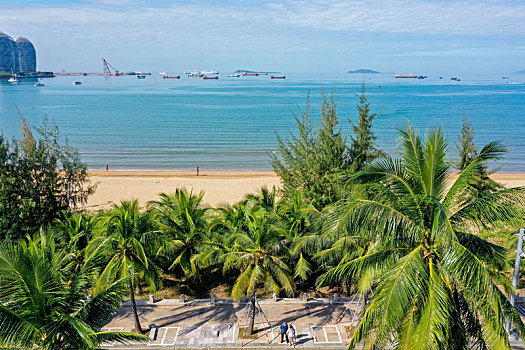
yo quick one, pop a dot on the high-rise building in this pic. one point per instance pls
(27, 54)
(9, 57)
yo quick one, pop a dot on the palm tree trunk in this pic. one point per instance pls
(138, 327)
(251, 317)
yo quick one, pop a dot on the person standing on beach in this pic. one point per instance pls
(107, 167)
(197, 171)
(284, 334)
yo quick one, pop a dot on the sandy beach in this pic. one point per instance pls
(219, 186)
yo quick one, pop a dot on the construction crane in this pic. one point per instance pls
(109, 70)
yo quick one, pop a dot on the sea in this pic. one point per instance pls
(231, 123)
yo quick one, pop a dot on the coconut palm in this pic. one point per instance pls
(259, 252)
(40, 308)
(183, 219)
(131, 242)
(264, 199)
(73, 233)
(436, 281)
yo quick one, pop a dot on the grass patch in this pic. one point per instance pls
(349, 330)
(255, 334)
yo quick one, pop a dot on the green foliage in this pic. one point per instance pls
(363, 149)
(40, 177)
(435, 280)
(480, 184)
(314, 159)
(182, 219)
(41, 308)
(129, 242)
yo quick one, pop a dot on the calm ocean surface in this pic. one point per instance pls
(228, 124)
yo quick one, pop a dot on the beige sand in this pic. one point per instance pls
(220, 186)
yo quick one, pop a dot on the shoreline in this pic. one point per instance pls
(220, 187)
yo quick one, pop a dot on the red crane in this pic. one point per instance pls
(109, 70)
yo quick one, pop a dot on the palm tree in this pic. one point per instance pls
(131, 244)
(259, 252)
(436, 282)
(73, 233)
(40, 308)
(183, 219)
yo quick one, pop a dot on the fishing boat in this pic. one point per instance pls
(76, 82)
(277, 77)
(250, 75)
(192, 72)
(405, 76)
(173, 77)
(422, 77)
(141, 76)
(208, 78)
(39, 84)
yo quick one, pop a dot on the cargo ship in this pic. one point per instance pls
(168, 77)
(250, 75)
(276, 77)
(208, 78)
(407, 76)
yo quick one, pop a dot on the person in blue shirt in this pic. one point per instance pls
(284, 334)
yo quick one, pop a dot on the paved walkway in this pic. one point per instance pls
(201, 324)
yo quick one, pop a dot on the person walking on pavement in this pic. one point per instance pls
(284, 334)
(291, 335)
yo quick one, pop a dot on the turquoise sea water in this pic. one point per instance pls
(229, 124)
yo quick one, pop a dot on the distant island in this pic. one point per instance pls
(363, 71)
(520, 72)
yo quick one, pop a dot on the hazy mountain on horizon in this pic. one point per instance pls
(520, 72)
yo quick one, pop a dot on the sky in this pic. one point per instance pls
(293, 36)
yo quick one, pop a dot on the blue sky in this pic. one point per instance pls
(295, 36)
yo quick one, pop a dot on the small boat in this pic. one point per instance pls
(13, 80)
(195, 75)
(141, 76)
(250, 75)
(233, 75)
(504, 77)
(39, 84)
(422, 77)
(455, 79)
(163, 73)
(407, 76)
(275, 77)
(440, 77)
(208, 78)
(173, 77)
(76, 82)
